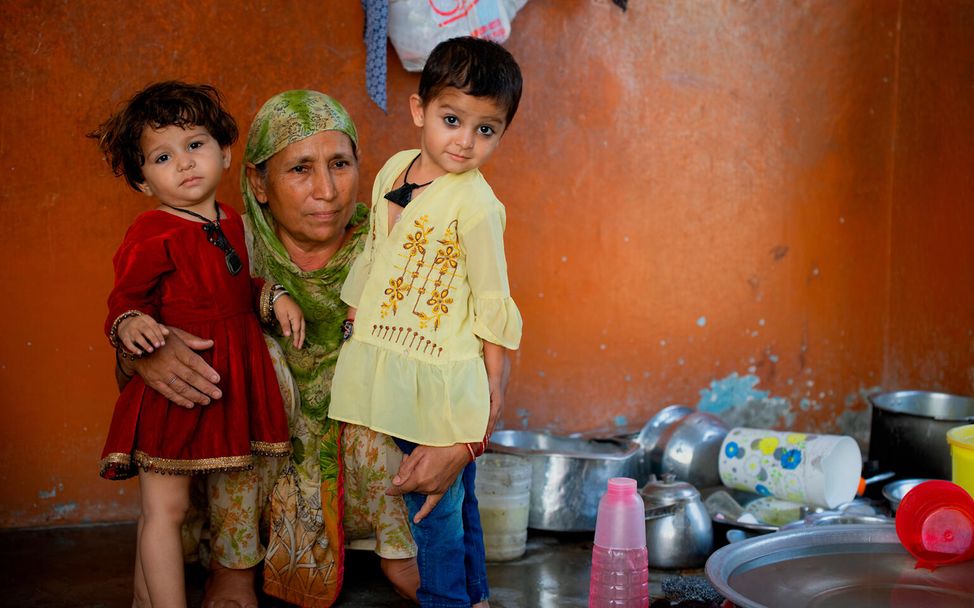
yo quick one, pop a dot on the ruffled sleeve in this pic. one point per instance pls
(496, 317)
(358, 274)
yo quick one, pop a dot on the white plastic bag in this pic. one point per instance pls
(416, 26)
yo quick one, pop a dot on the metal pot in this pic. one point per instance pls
(649, 436)
(908, 434)
(678, 529)
(689, 448)
(568, 475)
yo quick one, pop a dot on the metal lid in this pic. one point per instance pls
(668, 491)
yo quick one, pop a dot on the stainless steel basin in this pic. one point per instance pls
(568, 475)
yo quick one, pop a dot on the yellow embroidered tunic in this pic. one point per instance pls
(427, 294)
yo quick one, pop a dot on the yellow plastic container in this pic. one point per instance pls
(961, 440)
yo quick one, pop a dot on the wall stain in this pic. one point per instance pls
(62, 510)
(735, 399)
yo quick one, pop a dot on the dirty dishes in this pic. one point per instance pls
(682, 442)
(568, 475)
(820, 470)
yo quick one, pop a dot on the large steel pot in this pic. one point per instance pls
(568, 475)
(909, 431)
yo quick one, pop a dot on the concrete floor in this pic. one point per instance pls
(91, 567)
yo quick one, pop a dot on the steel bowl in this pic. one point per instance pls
(908, 434)
(690, 449)
(649, 436)
(568, 475)
(894, 492)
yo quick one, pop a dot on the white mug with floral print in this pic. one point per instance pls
(819, 470)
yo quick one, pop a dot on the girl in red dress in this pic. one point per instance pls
(185, 263)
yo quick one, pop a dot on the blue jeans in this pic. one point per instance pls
(450, 540)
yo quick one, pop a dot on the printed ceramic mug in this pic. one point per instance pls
(820, 470)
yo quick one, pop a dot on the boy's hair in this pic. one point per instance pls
(477, 67)
(157, 106)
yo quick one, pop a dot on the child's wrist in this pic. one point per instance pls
(277, 292)
(269, 295)
(477, 448)
(113, 333)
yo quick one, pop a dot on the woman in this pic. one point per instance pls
(299, 187)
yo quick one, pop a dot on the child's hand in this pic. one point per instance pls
(141, 334)
(291, 319)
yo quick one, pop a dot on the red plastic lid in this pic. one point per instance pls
(935, 523)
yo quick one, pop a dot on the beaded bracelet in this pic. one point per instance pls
(113, 333)
(118, 362)
(268, 295)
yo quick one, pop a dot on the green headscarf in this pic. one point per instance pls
(286, 118)
(304, 560)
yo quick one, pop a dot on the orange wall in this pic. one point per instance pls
(930, 342)
(715, 202)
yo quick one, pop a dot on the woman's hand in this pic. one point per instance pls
(429, 470)
(291, 319)
(177, 372)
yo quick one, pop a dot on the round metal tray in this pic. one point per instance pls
(854, 565)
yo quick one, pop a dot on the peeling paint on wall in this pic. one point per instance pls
(729, 392)
(48, 494)
(738, 403)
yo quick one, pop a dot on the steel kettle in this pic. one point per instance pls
(679, 533)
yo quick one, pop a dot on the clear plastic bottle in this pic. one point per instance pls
(620, 570)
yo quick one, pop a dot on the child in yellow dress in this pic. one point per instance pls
(431, 303)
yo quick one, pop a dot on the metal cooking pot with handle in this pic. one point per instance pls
(908, 434)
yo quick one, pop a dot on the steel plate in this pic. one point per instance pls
(855, 565)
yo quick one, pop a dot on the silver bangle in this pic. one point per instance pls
(277, 295)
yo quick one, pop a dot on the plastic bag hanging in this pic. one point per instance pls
(416, 26)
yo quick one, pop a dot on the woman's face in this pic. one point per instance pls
(311, 187)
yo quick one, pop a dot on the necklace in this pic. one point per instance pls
(404, 193)
(214, 234)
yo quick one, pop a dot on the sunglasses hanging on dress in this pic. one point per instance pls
(404, 193)
(216, 237)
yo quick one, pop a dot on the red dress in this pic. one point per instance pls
(168, 269)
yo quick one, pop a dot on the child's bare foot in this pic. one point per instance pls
(229, 588)
(483, 604)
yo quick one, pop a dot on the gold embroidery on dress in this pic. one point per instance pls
(124, 464)
(430, 282)
(405, 336)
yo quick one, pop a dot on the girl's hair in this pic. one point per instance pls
(477, 67)
(157, 106)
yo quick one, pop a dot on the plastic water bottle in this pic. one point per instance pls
(620, 571)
